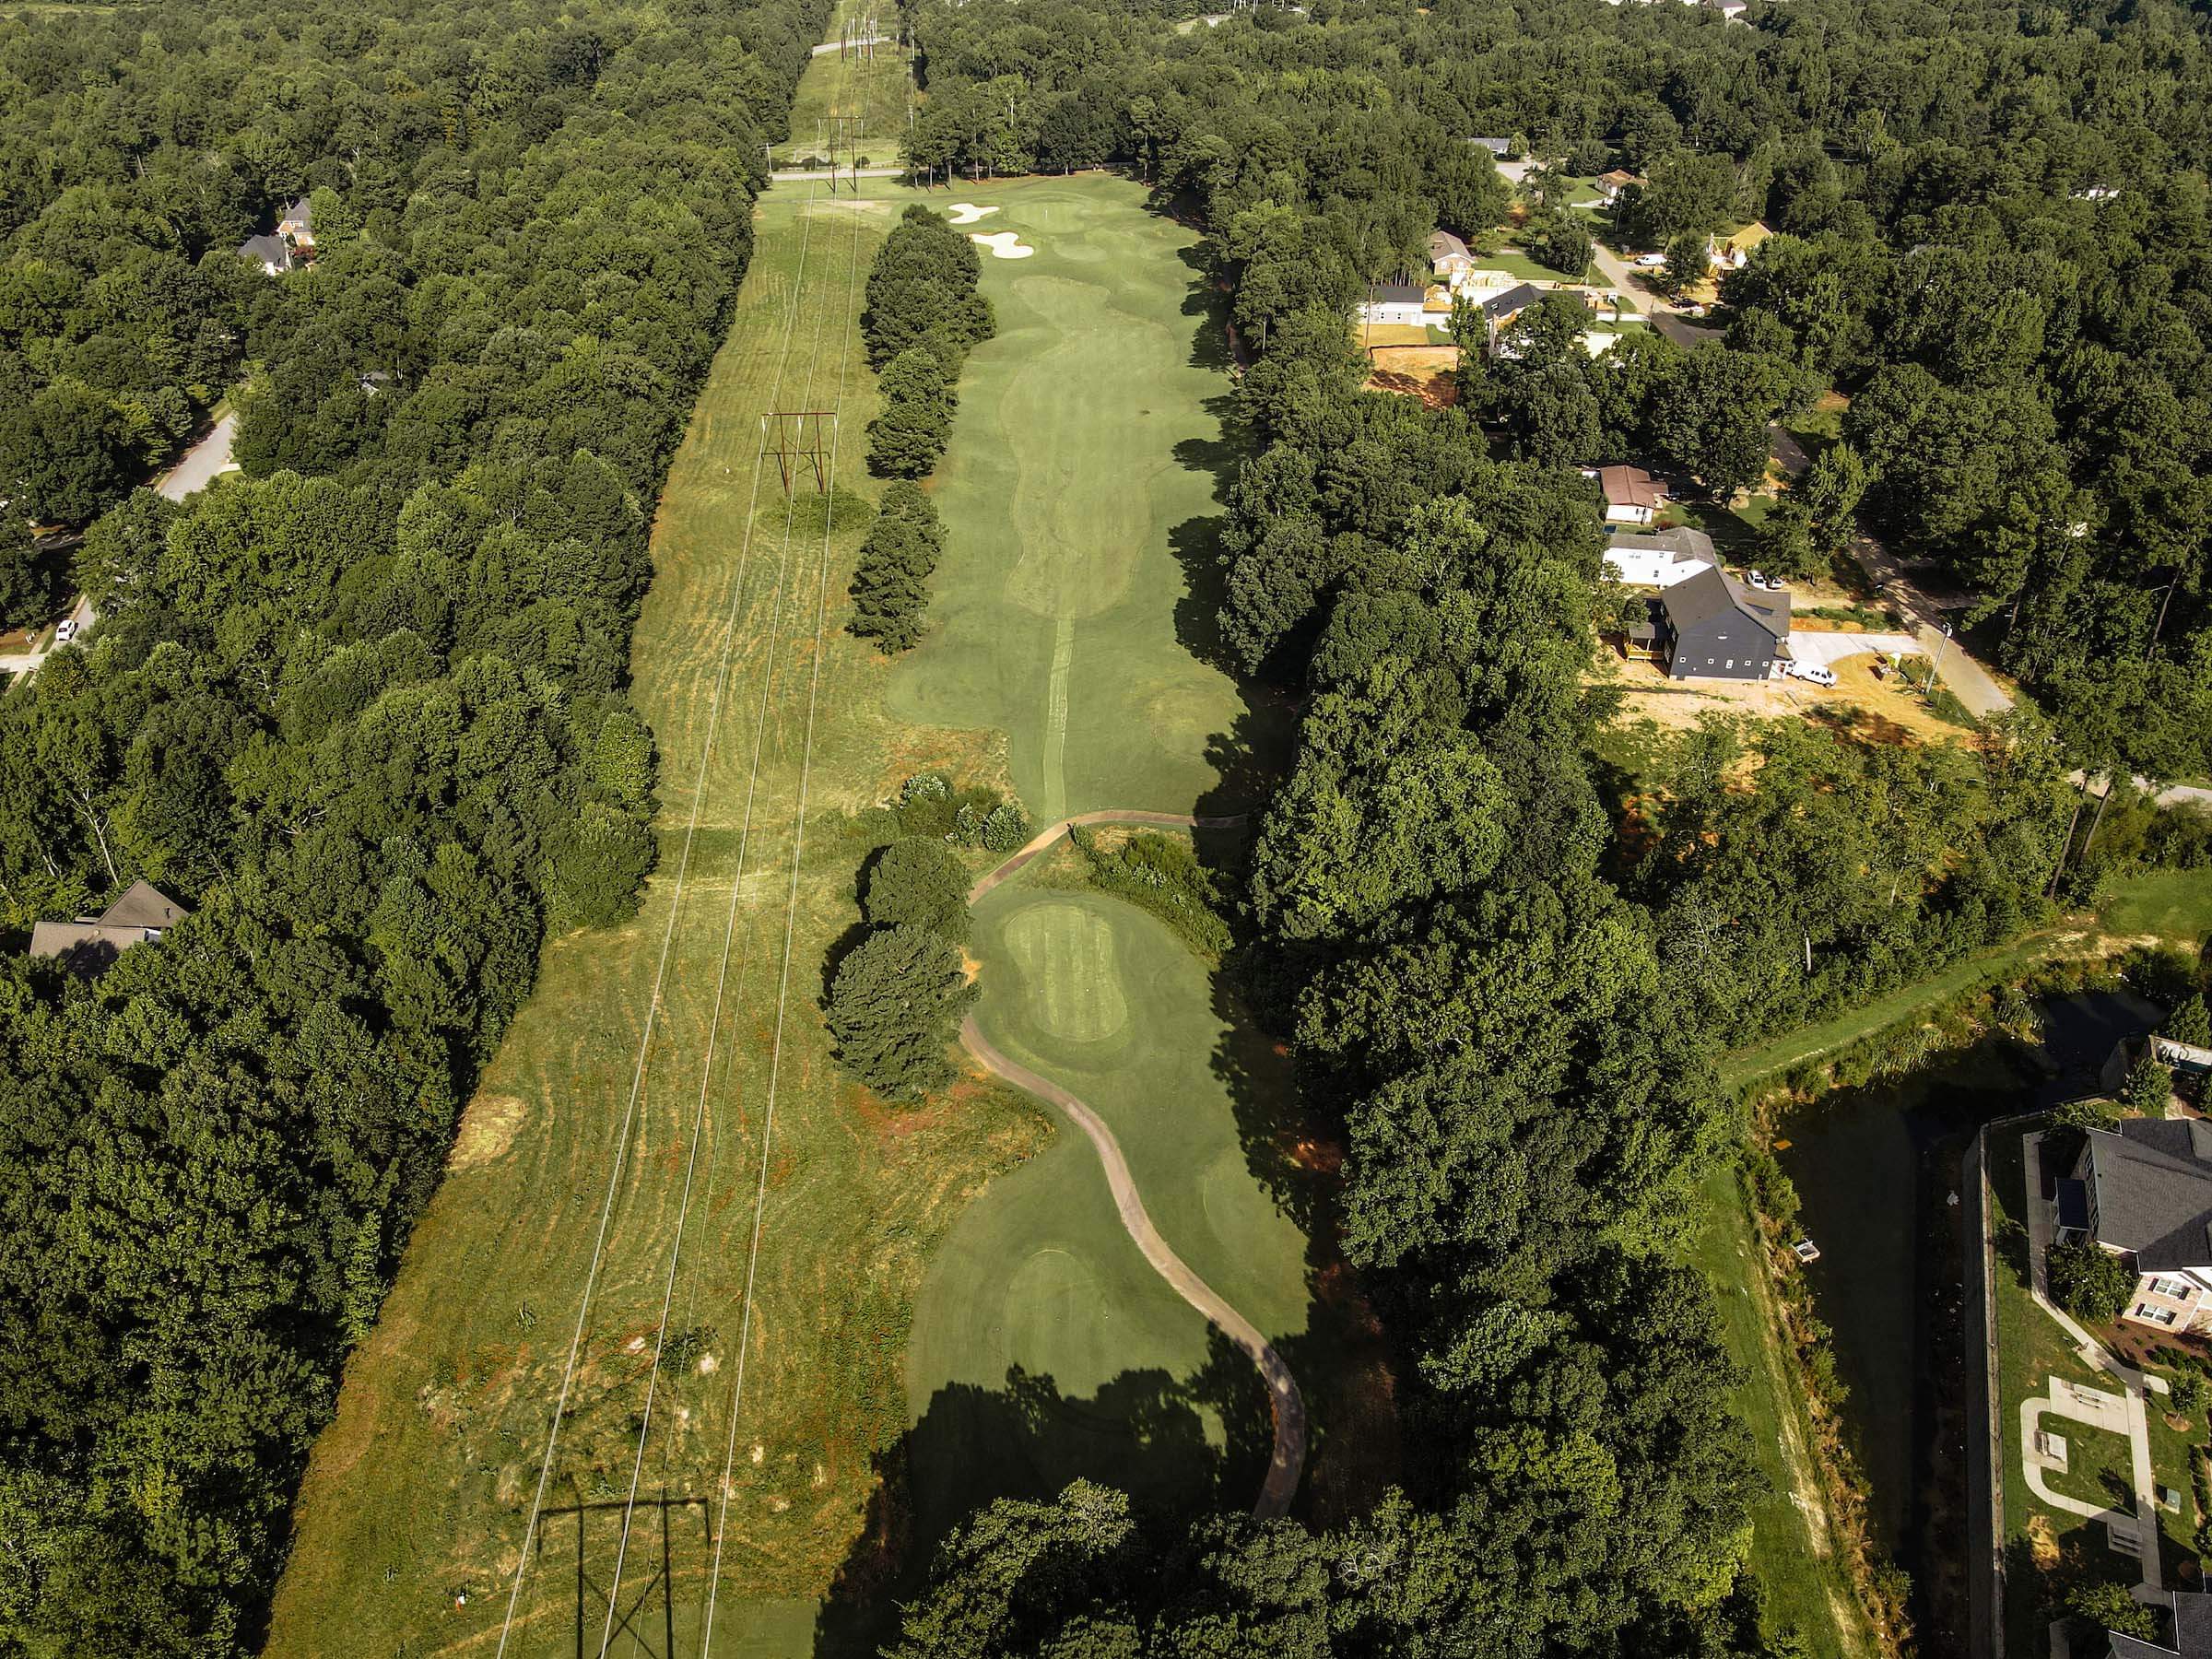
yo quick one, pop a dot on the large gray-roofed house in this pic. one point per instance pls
(272, 253)
(90, 944)
(2147, 1186)
(1661, 558)
(1716, 630)
(2192, 1611)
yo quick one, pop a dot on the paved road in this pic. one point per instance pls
(201, 463)
(1969, 682)
(874, 39)
(1621, 275)
(194, 472)
(1287, 1405)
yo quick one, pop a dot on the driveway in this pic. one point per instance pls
(27, 661)
(1828, 649)
(1626, 278)
(199, 464)
(1969, 682)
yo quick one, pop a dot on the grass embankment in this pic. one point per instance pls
(2171, 907)
(1794, 1546)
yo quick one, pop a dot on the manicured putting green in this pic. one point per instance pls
(1038, 1275)
(1085, 455)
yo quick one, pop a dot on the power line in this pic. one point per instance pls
(652, 1014)
(706, 1074)
(782, 988)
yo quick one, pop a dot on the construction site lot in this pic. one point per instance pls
(776, 1520)
(1870, 700)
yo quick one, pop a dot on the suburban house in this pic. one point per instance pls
(1716, 630)
(1399, 302)
(1499, 311)
(1732, 252)
(272, 253)
(1610, 184)
(298, 226)
(1496, 146)
(90, 944)
(291, 245)
(1448, 255)
(2143, 1191)
(1633, 495)
(1662, 559)
(2191, 1611)
(1733, 10)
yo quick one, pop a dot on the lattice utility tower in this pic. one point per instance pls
(644, 1621)
(799, 439)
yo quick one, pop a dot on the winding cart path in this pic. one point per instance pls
(1285, 1403)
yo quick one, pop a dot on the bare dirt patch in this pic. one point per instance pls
(486, 1131)
(1422, 372)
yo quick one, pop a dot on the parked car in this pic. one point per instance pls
(1649, 262)
(1759, 578)
(67, 632)
(1812, 672)
(1697, 311)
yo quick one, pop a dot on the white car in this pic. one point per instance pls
(1815, 674)
(1649, 262)
(67, 632)
(1759, 578)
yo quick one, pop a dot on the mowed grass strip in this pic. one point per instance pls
(418, 1493)
(1081, 492)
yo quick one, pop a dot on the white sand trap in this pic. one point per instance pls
(966, 213)
(1004, 245)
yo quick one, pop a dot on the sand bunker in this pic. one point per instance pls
(1004, 244)
(966, 213)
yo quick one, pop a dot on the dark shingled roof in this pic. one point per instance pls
(2153, 1179)
(2192, 1611)
(266, 250)
(1401, 292)
(1518, 297)
(1713, 593)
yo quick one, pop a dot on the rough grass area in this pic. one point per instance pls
(1080, 498)
(1792, 1543)
(420, 1491)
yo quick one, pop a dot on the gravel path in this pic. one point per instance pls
(1288, 1405)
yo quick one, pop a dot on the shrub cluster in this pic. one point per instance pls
(923, 313)
(2089, 1283)
(890, 582)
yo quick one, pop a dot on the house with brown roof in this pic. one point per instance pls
(90, 944)
(1633, 495)
(1610, 184)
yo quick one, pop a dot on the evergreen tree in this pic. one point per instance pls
(890, 579)
(894, 1006)
(918, 883)
(907, 438)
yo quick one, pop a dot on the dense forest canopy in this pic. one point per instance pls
(362, 711)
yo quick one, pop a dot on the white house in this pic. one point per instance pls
(1448, 256)
(1396, 302)
(1660, 559)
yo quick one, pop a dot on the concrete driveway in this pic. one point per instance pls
(1828, 649)
(199, 464)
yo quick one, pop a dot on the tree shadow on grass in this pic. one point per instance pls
(1144, 1432)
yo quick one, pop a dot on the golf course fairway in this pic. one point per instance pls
(1118, 1378)
(1086, 466)
(1084, 452)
